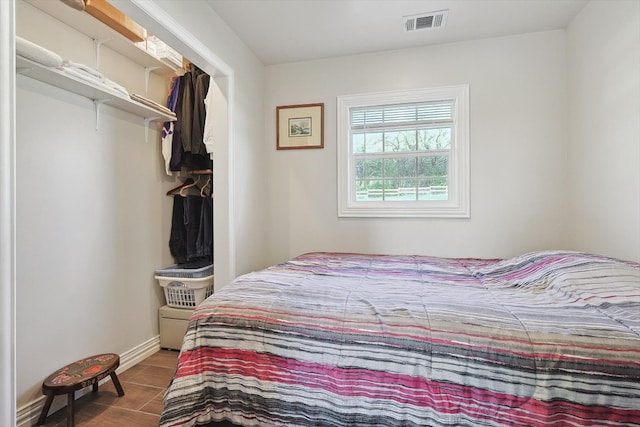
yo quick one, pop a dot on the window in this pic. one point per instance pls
(404, 154)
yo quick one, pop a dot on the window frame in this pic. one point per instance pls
(457, 206)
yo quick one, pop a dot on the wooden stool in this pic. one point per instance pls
(76, 376)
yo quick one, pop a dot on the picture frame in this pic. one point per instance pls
(300, 126)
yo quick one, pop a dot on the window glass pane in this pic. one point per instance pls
(357, 140)
(368, 168)
(407, 189)
(400, 141)
(433, 189)
(361, 189)
(434, 139)
(404, 167)
(435, 182)
(433, 166)
(374, 190)
(391, 190)
(360, 169)
(373, 168)
(373, 142)
(369, 190)
(408, 184)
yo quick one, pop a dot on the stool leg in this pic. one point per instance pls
(70, 420)
(45, 410)
(116, 383)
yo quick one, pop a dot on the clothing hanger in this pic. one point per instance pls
(179, 187)
(206, 184)
(188, 183)
(184, 187)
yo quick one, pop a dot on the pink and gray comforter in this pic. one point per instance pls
(332, 339)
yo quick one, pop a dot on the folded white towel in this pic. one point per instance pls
(78, 73)
(104, 84)
(84, 69)
(37, 53)
(94, 76)
(150, 103)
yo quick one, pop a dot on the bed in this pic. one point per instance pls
(548, 338)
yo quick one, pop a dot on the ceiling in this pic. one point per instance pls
(281, 31)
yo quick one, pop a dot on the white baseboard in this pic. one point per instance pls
(27, 415)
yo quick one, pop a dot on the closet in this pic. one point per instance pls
(93, 215)
(186, 146)
(186, 135)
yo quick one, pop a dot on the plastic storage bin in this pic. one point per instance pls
(173, 325)
(185, 288)
(190, 272)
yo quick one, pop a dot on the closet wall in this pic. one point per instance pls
(93, 219)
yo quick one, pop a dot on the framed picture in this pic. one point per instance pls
(300, 126)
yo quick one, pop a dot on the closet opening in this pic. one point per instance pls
(32, 105)
(150, 19)
(157, 21)
(155, 24)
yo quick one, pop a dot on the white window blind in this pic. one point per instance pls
(389, 116)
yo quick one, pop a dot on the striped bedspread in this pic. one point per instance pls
(331, 339)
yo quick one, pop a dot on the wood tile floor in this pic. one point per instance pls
(144, 385)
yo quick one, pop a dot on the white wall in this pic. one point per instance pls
(518, 150)
(603, 45)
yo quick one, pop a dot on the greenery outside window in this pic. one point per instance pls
(404, 154)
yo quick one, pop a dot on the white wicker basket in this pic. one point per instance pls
(182, 292)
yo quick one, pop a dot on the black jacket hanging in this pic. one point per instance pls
(195, 155)
(177, 151)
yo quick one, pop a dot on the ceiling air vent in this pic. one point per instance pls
(425, 21)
